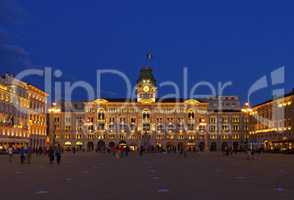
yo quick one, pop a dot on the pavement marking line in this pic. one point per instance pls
(280, 189)
(162, 190)
(42, 192)
(68, 179)
(240, 178)
(155, 178)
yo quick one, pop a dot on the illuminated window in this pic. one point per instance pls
(225, 119)
(91, 128)
(91, 136)
(212, 120)
(191, 137)
(212, 128)
(190, 127)
(146, 115)
(191, 115)
(101, 126)
(133, 120)
(225, 127)
(181, 137)
(67, 136)
(101, 115)
(236, 119)
(201, 128)
(67, 119)
(236, 128)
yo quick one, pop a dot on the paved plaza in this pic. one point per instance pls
(153, 176)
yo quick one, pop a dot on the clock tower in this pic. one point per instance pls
(146, 86)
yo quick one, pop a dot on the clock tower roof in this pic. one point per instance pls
(146, 74)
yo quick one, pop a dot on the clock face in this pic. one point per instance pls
(146, 88)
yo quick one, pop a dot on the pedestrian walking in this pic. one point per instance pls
(29, 154)
(185, 150)
(141, 151)
(121, 151)
(227, 151)
(10, 153)
(51, 154)
(113, 151)
(74, 150)
(40, 151)
(127, 150)
(22, 154)
(249, 154)
(231, 150)
(252, 154)
(58, 152)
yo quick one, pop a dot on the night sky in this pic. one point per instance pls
(217, 40)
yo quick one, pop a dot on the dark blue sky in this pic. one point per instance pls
(217, 40)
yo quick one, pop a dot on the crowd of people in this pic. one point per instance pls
(229, 151)
(54, 152)
(121, 151)
(26, 152)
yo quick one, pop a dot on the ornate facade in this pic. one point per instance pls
(271, 124)
(211, 124)
(22, 114)
(149, 121)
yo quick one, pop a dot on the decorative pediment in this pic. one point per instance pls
(101, 101)
(191, 101)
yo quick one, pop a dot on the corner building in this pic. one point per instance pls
(271, 124)
(23, 119)
(148, 121)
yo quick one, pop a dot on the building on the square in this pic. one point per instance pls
(149, 121)
(22, 113)
(228, 128)
(223, 103)
(227, 124)
(271, 124)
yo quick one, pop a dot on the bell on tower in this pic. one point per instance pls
(146, 84)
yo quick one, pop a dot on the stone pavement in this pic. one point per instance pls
(206, 176)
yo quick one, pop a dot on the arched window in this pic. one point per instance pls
(146, 115)
(191, 114)
(101, 115)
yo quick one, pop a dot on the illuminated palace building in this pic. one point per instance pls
(209, 124)
(150, 122)
(22, 114)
